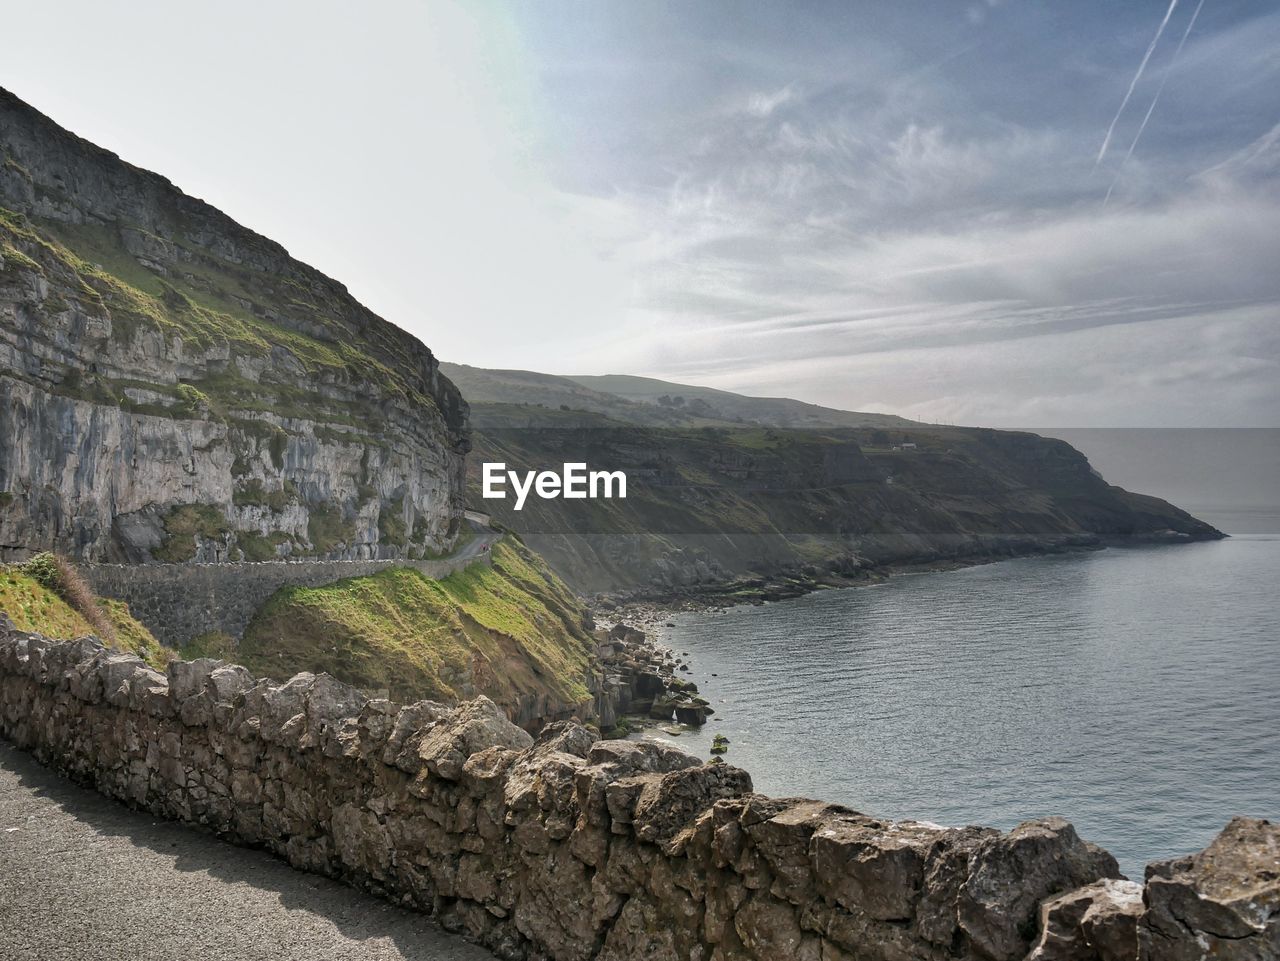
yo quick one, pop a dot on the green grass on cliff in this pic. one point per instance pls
(204, 302)
(510, 630)
(183, 524)
(32, 606)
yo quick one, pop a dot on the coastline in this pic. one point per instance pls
(650, 608)
(649, 615)
(960, 699)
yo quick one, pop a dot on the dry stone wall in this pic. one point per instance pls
(180, 601)
(571, 849)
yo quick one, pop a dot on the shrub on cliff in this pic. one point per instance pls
(31, 594)
(60, 576)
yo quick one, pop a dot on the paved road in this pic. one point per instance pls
(485, 537)
(83, 878)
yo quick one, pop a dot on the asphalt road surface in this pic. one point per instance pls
(83, 878)
(485, 537)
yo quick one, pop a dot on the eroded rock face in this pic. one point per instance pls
(1098, 922)
(156, 355)
(1221, 903)
(1009, 875)
(570, 849)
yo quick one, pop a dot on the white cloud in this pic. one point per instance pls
(740, 297)
(764, 104)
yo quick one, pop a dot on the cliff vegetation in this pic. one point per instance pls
(36, 597)
(513, 632)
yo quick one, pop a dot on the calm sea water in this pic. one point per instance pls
(1134, 691)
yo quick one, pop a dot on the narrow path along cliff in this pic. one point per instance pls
(484, 538)
(74, 865)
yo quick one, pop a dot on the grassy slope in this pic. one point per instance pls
(726, 405)
(634, 400)
(34, 607)
(517, 395)
(505, 631)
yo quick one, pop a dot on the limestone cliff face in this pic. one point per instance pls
(176, 387)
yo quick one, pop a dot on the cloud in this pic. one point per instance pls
(1257, 162)
(977, 13)
(764, 104)
(819, 244)
(1150, 374)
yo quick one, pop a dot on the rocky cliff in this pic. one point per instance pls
(176, 387)
(725, 508)
(562, 848)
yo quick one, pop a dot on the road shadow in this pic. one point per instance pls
(355, 914)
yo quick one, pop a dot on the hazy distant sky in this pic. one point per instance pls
(892, 206)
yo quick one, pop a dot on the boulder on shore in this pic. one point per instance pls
(688, 712)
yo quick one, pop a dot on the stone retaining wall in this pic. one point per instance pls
(180, 601)
(571, 849)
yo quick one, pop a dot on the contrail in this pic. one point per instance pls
(1154, 100)
(1133, 83)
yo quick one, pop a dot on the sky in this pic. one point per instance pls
(892, 206)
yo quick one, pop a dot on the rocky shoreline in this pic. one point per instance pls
(652, 606)
(642, 687)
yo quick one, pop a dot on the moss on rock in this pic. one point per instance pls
(183, 525)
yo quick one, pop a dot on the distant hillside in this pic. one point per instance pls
(707, 507)
(737, 408)
(724, 488)
(531, 390)
(648, 402)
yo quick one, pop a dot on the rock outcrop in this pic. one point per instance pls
(176, 387)
(564, 848)
(636, 676)
(1098, 921)
(1222, 903)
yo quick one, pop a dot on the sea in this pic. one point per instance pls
(1134, 691)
